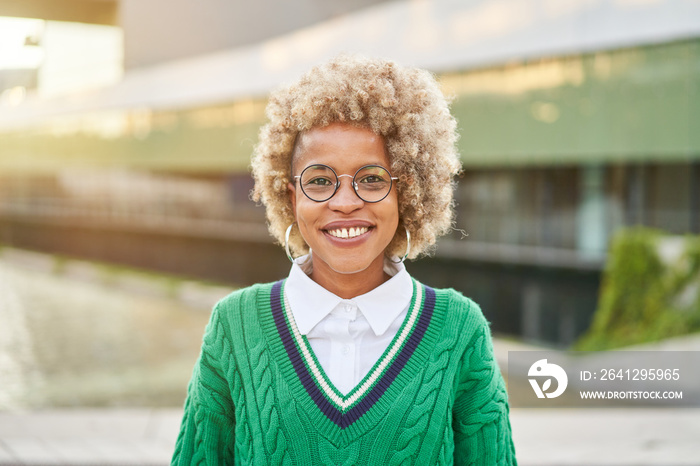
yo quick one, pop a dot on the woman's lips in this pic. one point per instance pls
(348, 236)
(350, 233)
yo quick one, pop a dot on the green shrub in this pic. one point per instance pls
(645, 296)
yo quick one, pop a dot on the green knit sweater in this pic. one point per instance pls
(259, 396)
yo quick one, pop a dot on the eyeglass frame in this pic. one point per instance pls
(353, 183)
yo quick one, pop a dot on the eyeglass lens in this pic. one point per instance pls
(371, 183)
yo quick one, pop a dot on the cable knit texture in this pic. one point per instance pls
(436, 397)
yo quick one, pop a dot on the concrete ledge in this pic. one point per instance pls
(577, 437)
(543, 437)
(89, 437)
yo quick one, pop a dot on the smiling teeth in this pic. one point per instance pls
(348, 233)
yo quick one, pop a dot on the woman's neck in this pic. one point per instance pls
(349, 285)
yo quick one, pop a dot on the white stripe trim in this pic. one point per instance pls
(343, 404)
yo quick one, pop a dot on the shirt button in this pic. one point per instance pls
(346, 350)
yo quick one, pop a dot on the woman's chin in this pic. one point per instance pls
(349, 270)
(348, 266)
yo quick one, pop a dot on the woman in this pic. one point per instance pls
(349, 360)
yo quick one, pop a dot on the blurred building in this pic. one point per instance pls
(576, 118)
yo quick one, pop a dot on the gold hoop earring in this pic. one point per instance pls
(286, 242)
(408, 246)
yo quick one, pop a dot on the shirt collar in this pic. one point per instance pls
(310, 302)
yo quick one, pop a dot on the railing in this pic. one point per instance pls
(484, 236)
(241, 223)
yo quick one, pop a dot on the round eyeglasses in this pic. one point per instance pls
(371, 183)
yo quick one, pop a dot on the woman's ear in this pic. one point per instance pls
(292, 192)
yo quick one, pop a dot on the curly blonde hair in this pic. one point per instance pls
(403, 105)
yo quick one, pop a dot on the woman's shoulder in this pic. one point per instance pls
(232, 311)
(246, 296)
(461, 320)
(459, 307)
(247, 301)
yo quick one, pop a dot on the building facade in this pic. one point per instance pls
(576, 120)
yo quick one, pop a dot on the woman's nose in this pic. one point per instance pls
(345, 199)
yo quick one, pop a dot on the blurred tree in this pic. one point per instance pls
(650, 290)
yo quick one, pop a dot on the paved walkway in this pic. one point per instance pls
(559, 437)
(88, 437)
(542, 437)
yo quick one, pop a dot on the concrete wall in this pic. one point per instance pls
(162, 30)
(81, 11)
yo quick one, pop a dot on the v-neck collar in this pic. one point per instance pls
(312, 383)
(310, 303)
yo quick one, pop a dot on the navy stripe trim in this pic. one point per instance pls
(306, 378)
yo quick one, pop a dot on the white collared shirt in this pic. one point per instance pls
(348, 336)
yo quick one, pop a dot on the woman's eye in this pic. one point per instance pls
(372, 179)
(319, 182)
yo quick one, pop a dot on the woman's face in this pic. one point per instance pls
(369, 226)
